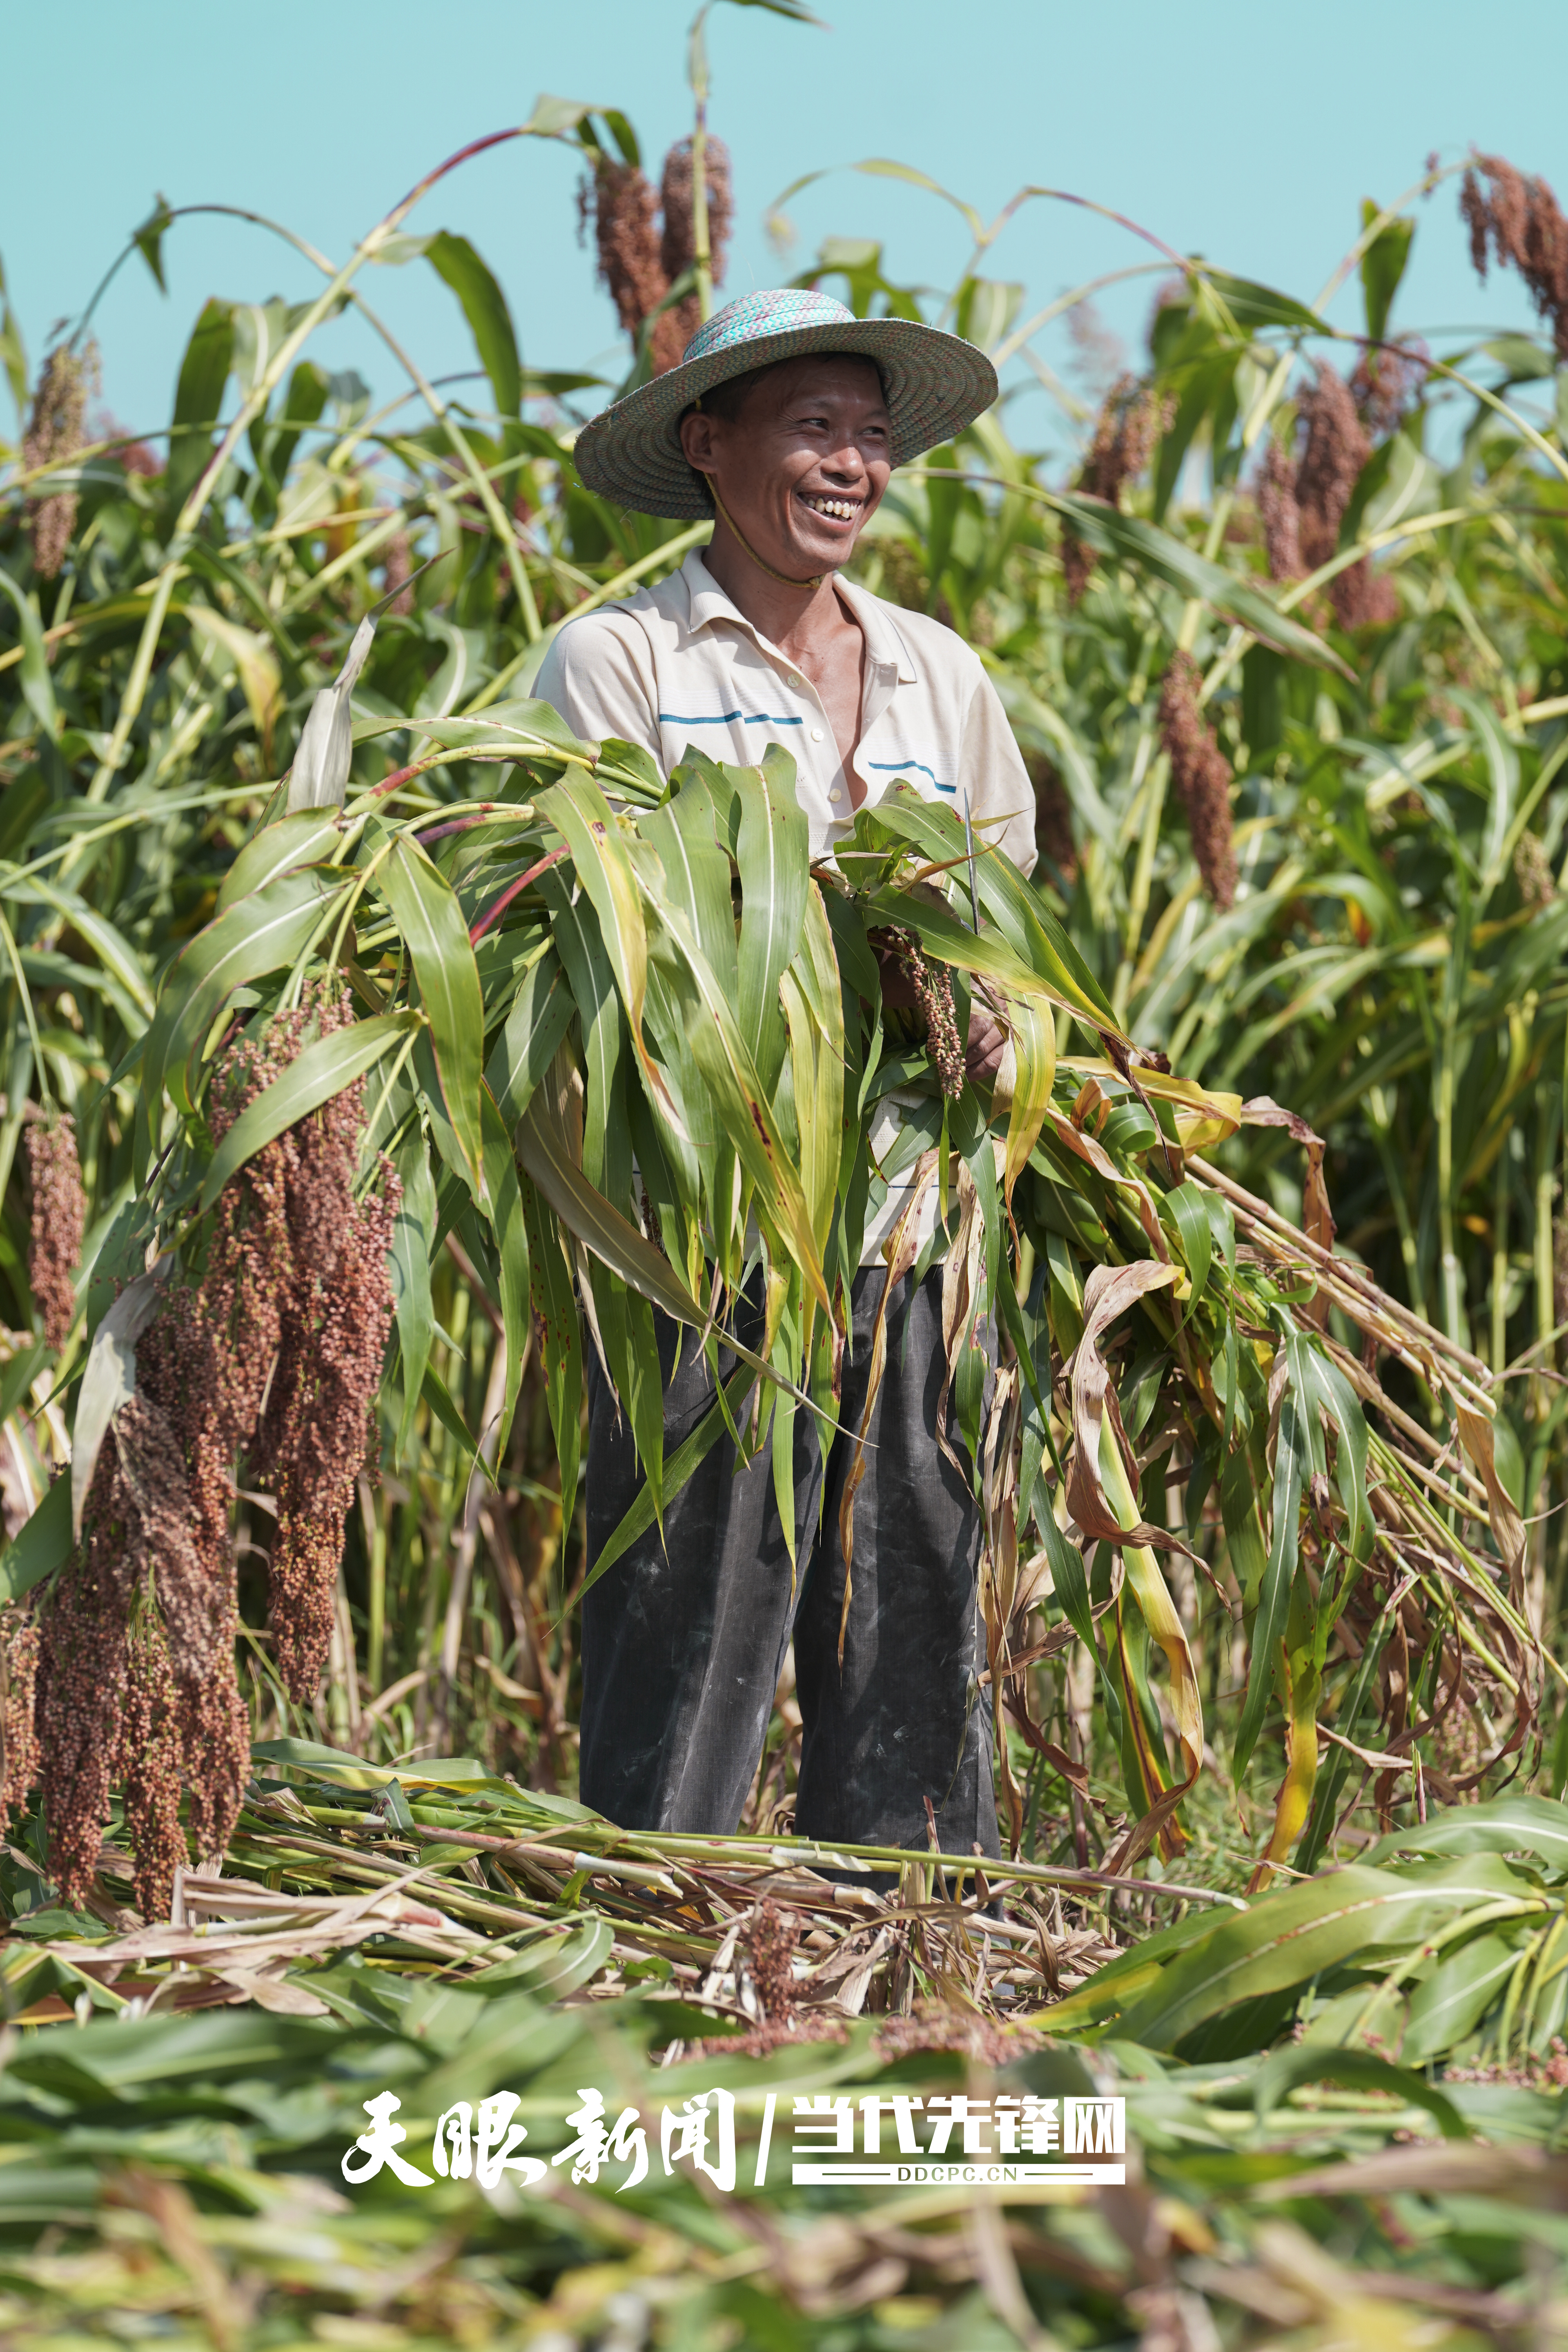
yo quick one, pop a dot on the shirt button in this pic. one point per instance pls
(797, 683)
(835, 795)
(816, 734)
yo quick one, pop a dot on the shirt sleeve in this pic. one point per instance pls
(992, 773)
(598, 674)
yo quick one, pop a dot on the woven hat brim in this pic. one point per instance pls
(937, 383)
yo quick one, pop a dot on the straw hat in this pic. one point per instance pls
(936, 383)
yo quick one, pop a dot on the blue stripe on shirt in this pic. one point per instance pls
(899, 766)
(727, 718)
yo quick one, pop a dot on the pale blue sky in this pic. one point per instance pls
(1249, 132)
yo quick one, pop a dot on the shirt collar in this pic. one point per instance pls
(885, 641)
(707, 602)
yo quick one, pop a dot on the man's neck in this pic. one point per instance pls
(814, 629)
(801, 621)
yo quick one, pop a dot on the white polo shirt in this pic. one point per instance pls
(680, 665)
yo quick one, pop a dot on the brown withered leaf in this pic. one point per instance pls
(1108, 1293)
(1476, 1432)
(1317, 1217)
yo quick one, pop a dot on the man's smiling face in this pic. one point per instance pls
(803, 462)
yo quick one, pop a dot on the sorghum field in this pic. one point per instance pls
(338, 985)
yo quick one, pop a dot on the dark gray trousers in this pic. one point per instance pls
(684, 1636)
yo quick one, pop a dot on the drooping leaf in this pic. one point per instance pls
(1292, 1935)
(1514, 1824)
(558, 1322)
(771, 848)
(408, 1266)
(40, 1545)
(1187, 1209)
(149, 240)
(941, 934)
(613, 1240)
(1024, 1091)
(306, 839)
(747, 1117)
(510, 1232)
(257, 935)
(1251, 305)
(1129, 539)
(579, 810)
(1449, 2003)
(440, 1399)
(678, 1467)
(454, 259)
(199, 399)
(109, 943)
(1287, 2070)
(516, 730)
(696, 870)
(541, 1013)
(1383, 266)
(38, 686)
(431, 921)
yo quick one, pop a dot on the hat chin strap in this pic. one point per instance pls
(738, 535)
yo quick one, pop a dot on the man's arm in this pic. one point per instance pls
(992, 771)
(598, 674)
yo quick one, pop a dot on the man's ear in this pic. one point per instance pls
(698, 436)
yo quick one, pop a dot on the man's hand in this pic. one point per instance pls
(988, 1039)
(898, 987)
(988, 1042)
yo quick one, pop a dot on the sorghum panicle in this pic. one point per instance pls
(769, 1937)
(1132, 419)
(1387, 384)
(138, 1635)
(1362, 598)
(677, 241)
(1532, 871)
(621, 205)
(151, 1765)
(1201, 776)
(640, 258)
(55, 432)
(933, 993)
(312, 1440)
(57, 1221)
(1053, 814)
(1301, 506)
(1337, 448)
(1525, 226)
(136, 1677)
(133, 455)
(1280, 515)
(18, 1724)
(1077, 565)
(83, 1665)
(399, 564)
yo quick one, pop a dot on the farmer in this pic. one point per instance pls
(783, 424)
